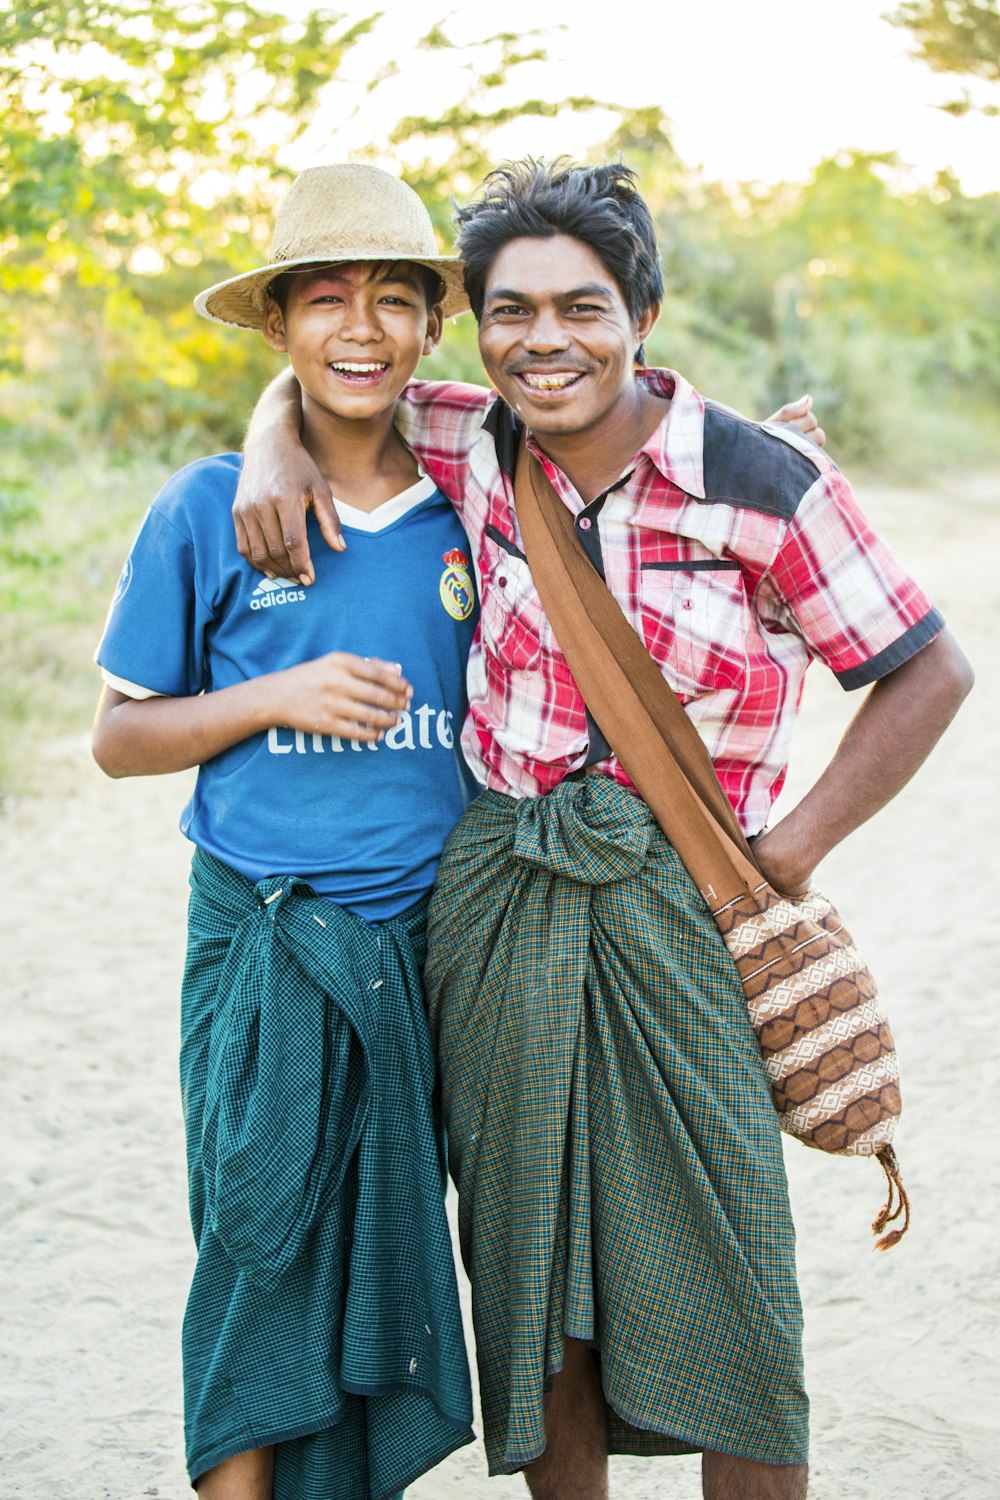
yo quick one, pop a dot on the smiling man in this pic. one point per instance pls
(623, 1206)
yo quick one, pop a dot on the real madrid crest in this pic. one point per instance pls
(457, 593)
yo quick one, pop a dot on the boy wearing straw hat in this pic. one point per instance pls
(323, 1348)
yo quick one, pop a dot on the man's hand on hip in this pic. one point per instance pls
(891, 735)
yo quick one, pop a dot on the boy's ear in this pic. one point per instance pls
(435, 328)
(273, 326)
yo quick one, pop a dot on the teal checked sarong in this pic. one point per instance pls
(612, 1134)
(323, 1315)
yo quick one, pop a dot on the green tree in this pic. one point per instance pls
(146, 136)
(140, 137)
(879, 296)
(466, 125)
(956, 36)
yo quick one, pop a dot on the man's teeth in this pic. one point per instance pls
(553, 382)
(351, 367)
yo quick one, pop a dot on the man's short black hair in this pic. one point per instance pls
(600, 206)
(430, 281)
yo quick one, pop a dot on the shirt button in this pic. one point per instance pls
(584, 523)
(501, 582)
(413, 1367)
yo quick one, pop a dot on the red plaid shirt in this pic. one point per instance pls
(736, 550)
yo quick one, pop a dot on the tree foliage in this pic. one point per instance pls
(129, 124)
(956, 36)
(466, 126)
(142, 157)
(879, 296)
(139, 137)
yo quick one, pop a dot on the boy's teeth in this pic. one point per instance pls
(554, 382)
(353, 368)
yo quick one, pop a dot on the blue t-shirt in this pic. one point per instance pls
(363, 823)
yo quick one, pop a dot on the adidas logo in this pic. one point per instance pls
(271, 591)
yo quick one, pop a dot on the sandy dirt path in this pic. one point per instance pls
(902, 1351)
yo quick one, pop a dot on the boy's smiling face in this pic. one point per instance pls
(354, 333)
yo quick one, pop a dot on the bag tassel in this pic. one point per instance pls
(896, 1203)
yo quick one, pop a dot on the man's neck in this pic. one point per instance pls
(593, 459)
(365, 463)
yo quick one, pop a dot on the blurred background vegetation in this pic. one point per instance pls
(140, 161)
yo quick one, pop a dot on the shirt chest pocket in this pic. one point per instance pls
(695, 622)
(511, 611)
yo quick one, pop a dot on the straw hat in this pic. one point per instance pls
(348, 212)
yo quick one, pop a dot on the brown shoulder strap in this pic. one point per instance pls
(625, 691)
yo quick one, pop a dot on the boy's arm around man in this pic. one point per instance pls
(280, 483)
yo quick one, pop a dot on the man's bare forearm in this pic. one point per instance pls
(889, 738)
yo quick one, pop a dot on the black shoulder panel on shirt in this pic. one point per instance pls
(506, 429)
(748, 467)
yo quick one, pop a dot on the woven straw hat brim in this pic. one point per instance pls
(240, 300)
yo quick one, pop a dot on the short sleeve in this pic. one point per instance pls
(155, 632)
(440, 421)
(844, 590)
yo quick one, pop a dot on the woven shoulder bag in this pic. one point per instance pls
(825, 1040)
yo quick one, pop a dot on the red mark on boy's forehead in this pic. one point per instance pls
(330, 276)
(354, 273)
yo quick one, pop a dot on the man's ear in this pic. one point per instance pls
(647, 322)
(273, 326)
(435, 328)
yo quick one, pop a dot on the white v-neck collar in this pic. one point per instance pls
(390, 511)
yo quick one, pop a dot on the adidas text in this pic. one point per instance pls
(280, 596)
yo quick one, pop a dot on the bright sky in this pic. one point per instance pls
(756, 89)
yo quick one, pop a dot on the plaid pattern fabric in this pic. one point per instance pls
(323, 1315)
(611, 1132)
(733, 592)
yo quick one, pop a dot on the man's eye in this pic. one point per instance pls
(584, 307)
(508, 310)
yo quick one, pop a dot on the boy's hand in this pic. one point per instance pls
(278, 485)
(355, 697)
(799, 414)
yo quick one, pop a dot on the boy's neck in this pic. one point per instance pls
(365, 463)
